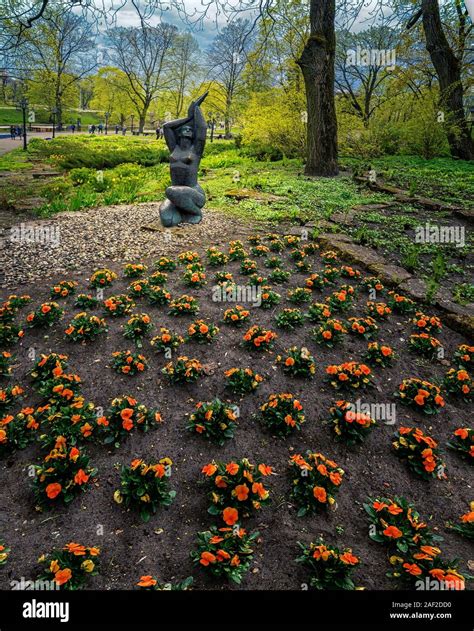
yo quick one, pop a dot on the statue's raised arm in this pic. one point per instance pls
(186, 138)
(194, 118)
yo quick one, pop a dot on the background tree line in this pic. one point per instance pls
(287, 77)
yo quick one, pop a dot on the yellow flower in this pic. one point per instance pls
(145, 498)
(88, 565)
(394, 559)
(118, 497)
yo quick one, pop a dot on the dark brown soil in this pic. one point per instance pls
(161, 547)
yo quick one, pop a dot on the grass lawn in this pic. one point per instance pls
(9, 115)
(441, 178)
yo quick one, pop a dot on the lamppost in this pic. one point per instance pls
(132, 116)
(107, 116)
(54, 111)
(23, 106)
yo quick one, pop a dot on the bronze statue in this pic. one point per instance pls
(185, 138)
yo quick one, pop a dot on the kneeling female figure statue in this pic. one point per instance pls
(185, 138)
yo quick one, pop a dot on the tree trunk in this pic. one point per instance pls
(317, 66)
(448, 70)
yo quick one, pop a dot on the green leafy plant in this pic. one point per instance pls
(329, 567)
(145, 487)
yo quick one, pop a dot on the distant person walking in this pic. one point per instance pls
(19, 132)
(100, 127)
(124, 130)
(73, 128)
(158, 132)
(12, 132)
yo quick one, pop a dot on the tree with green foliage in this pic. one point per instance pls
(110, 94)
(58, 48)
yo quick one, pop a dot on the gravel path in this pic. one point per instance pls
(73, 240)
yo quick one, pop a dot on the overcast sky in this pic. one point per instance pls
(204, 31)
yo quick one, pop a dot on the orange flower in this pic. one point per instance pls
(53, 490)
(75, 548)
(259, 489)
(45, 309)
(430, 550)
(146, 581)
(74, 454)
(222, 555)
(393, 509)
(242, 492)
(86, 430)
(235, 561)
(220, 482)
(468, 518)
(230, 516)
(81, 477)
(207, 558)
(412, 568)
(127, 424)
(126, 414)
(232, 468)
(265, 469)
(320, 494)
(348, 558)
(393, 532)
(63, 576)
(209, 469)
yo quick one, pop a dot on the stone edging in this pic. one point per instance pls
(457, 317)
